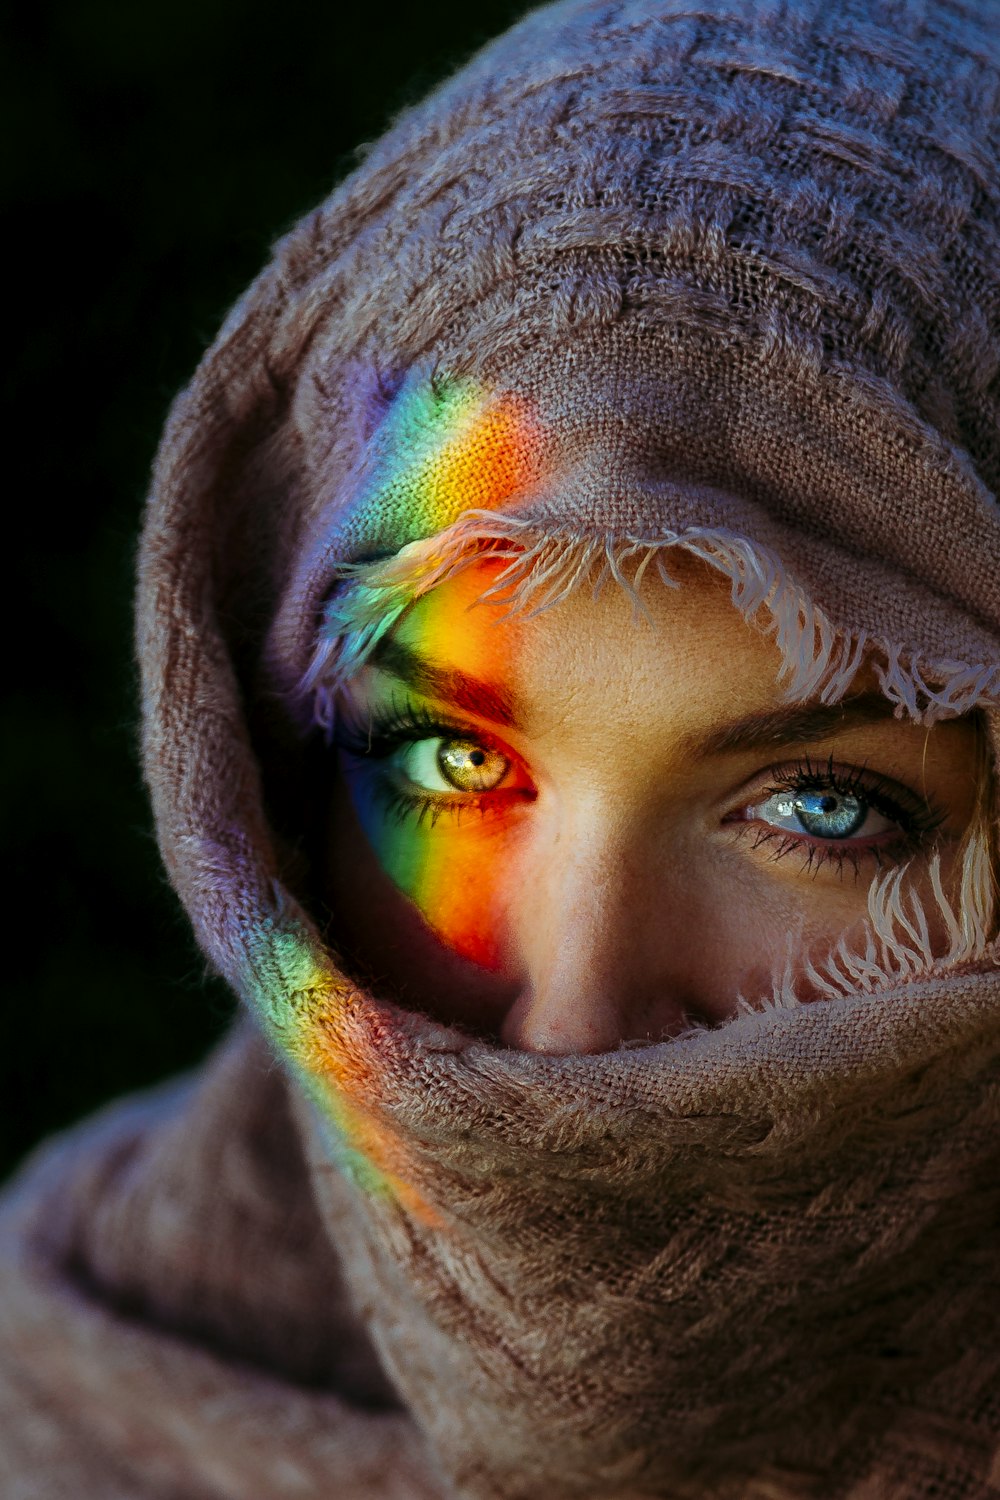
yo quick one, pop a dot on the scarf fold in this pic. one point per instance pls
(174, 1320)
(641, 276)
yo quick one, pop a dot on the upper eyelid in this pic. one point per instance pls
(424, 723)
(427, 723)
(914, 813)
(778, 777)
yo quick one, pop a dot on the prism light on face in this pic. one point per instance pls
(583, 827)
(450, 881)
(444, 449)
(441, 450)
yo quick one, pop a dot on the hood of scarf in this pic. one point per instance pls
(641, 276)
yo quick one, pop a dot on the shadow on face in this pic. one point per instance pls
(589, 827)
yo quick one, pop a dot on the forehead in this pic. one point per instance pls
(679, 644)
(624, 696)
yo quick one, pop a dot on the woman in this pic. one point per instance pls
(569, 627)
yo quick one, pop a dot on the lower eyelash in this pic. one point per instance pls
(917, 821)
(423, 807)
(816, 855)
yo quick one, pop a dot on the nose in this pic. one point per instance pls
(593, 947)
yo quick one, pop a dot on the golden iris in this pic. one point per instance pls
(471, 767)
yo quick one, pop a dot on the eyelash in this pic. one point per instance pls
(387, 729)
(403, 723)
(918, 818)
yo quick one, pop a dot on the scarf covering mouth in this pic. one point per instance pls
(640, 276)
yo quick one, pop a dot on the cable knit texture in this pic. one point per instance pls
(641, 275)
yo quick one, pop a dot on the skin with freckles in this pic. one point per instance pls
(584, 828)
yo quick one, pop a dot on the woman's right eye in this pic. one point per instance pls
(440, 764)
(823, 813)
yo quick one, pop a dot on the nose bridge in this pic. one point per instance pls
(589, 935)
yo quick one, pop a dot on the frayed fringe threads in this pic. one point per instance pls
(817, 661)
(895, 946)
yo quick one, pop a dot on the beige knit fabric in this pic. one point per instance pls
(174, 1321)
(735, 268)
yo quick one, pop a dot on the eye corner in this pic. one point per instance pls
(908, 821)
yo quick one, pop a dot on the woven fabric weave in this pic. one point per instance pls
(642, 276)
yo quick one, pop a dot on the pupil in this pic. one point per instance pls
(470, 767)
(827, 815)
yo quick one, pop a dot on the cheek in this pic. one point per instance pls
(721, 932)
(450, 873)
(730, 925)
(429, 926)
(769, 919)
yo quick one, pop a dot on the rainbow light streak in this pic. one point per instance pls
(443, 451)
(449, 869)
(440, 454)
(304, 1005)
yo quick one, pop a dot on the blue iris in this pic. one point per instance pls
(830, 815)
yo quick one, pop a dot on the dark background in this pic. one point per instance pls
(152, 153)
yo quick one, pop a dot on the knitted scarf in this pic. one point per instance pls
(643, 278)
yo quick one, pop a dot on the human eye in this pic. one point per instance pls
(421, 766)
(837, 815)
(451, 763)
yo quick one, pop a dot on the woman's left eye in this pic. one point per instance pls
(822, 813)
(438, 763)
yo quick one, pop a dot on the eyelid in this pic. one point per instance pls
(915, 814)
(380, 733)
(410, 717)
(782, 774)
(407, 723)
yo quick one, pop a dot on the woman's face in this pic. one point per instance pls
(583, 828)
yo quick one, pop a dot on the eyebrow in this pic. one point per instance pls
(766, 729)
(794, 723)
(447, 683)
